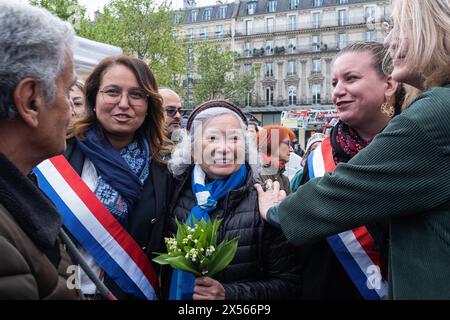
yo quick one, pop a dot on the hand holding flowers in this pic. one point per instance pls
(195, 250)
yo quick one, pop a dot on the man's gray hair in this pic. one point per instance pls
(33, 44)
(182, 153)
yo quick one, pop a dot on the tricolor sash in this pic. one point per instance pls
(207, 196)
(95, 228)
(353, 248)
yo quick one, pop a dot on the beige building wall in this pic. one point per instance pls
(302, 66)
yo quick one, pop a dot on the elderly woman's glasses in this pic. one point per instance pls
(136, 97)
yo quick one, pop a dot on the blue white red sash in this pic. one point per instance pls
(353, 248)
(96, 229)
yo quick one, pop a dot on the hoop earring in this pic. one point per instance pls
(388, 109)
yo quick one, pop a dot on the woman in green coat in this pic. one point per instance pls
(403, 176)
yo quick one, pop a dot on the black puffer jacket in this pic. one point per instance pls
(264, 266)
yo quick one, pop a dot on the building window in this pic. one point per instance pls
(316, 67)
(251, 8)
(194, 15)
(272, 5)
(176, 18)
(316, 89)
(318, 3)
(269, 25)
(248, 27)
(291, 68)
(292, 95)
(190, 55)
(316, 20)
(292, 23)
(248, 99)
(269, 95)
(248, 49)
(342, 40)
(343, 1)
(191, 34)
(269, 69)
(207, 14)
(247, 68)
(342, 18)
(222, 13)
(269, 47)
(204, 33)
(370, 15)
(294, 4)
(292, 45)
(219, 31)
(315, 43)
(370, 35)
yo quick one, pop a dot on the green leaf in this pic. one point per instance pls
(222, 257)
(214, 231)
(183, 264)
(162, 259)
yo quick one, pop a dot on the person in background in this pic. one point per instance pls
(264, 267)
(36, 74)
(117, 149)
(172, 111)
(312, 144)
(275, 147)
(253, 130)
(298, 149)
(403, 176)
(78, 100)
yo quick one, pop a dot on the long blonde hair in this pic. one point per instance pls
(423, 26)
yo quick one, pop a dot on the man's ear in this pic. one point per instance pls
(28, 101)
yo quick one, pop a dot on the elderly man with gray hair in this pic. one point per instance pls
(36, 74)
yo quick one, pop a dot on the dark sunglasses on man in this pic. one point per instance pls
(171, 111)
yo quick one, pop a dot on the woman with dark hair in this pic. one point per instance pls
(77, 100)
(117, 149)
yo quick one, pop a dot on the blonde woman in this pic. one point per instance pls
(402, 177)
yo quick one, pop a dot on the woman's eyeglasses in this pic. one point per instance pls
(136, 97)
(287, 142)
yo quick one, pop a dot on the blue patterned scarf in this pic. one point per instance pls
(122, 172)
(207, 196)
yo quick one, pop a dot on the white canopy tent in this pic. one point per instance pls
(89, 53)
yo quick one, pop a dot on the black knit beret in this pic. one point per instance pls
(215, 104)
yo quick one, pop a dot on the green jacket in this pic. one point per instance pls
(403, 176)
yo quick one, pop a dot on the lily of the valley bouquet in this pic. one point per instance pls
(194, 249)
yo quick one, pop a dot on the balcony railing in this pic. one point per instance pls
(324, 23)
(301, 49)
(297, 101)
(208, 36)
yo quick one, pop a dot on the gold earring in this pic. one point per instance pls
(388, 109)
